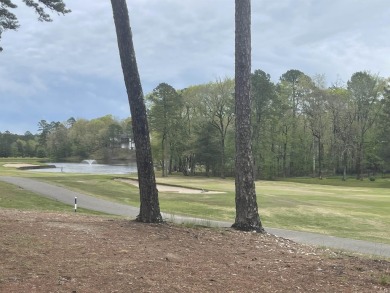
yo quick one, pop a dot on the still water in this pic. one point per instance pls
(91, 168)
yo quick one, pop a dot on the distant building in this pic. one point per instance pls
(127, 143)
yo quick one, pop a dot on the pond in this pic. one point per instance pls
(90, 168)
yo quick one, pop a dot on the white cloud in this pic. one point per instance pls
(71, 67)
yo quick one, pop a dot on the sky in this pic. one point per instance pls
(71, 68)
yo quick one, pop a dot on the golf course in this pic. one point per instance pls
(350, 209)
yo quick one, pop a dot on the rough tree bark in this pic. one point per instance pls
(149, 208)
(247, 216)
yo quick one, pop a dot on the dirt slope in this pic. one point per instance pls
(49, 252)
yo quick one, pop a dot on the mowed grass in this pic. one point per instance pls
(344, 211)
(328, 206)
(14, 197)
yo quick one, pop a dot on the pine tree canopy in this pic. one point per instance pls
(9, 21)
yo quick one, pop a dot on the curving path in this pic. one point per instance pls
(89, 202)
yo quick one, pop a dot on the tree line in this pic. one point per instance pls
(102, 138)
(300, 127)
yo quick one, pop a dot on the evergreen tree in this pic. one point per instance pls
(247, 216)
(150, 207)
(9, 21)
(165, 119)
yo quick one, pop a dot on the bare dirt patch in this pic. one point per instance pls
(51, 252)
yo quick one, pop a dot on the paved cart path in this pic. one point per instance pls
(89, 202)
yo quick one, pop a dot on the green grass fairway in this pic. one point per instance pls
(352, 212)
(344, 211)
(13, 197)
(352, 209)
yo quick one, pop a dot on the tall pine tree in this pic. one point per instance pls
(247, 216)
(150, 208)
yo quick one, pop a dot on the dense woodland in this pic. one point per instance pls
(101, 138)
(301, 127)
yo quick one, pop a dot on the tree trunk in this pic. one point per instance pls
(170, 166)
(345, 166)
(314, 157)
(149, 204)
(284, 162)
(193, 164)
(256, 169)
(359, 161)
(320, 152)
(163, 173)
(247, 216)
(222, 157)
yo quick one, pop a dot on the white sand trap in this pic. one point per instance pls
(18, 165)
(169, 188)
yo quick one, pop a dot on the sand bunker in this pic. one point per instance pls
(18, 165)
(169, 188)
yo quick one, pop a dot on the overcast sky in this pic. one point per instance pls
(70, 67)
